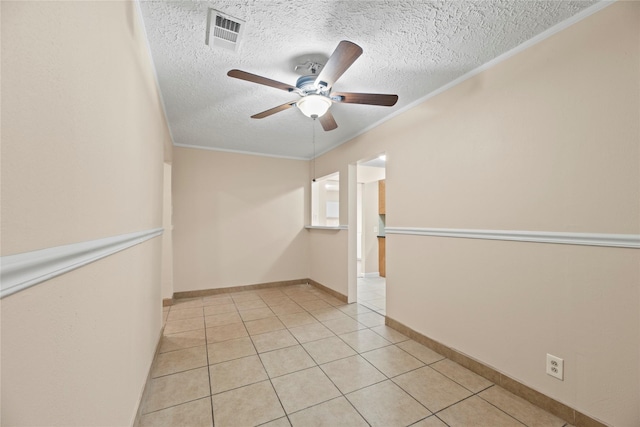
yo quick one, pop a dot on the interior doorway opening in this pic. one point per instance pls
(370, 235)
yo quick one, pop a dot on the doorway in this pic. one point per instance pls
(370, 235)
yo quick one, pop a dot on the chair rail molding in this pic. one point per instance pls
(21, 271)
(587, 239)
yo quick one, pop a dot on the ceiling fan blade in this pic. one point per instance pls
(328, 122)
(243, 75)
(345, 54)
(273, 110)
(366, 98)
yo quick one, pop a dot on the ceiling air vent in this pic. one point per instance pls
(223, 30)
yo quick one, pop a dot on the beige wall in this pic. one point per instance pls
(548, 140)
(83, 136)
(238, 219)
(327, 259)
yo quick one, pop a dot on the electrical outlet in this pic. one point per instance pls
(555, 367)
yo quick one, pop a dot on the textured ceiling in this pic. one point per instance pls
(411, 48)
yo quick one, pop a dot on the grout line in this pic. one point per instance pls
(502, 410)
(316, 364)
(206, 346)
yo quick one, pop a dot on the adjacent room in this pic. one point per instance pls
(320, 213)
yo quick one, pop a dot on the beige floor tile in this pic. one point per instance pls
(226, 332)
(280, 422)
(389, 334)
(328, 349)
(236, 373)
(273, 340)
(431, 421)
(370, 319)
(175, 389)
(352, 373)
(431, 388)
(177, 326)
(380, 303)
(392, 361)
(256, 313)
(520, 409)
(328, 314)
(288, 308)
(315, 305)
(217, 300)
(178, 361)
(364, 340)
(303, 389)
(219, 309)
(251, 304)
(354, 309)
(273, 301)
(297, 319)
(336, 412)
(368, 296)
(421, 352)
(195, 414)
(313, 332)
(244, 296)
(261, 326)
(462, 376)
(269, 291)
(222, 319)
(182, 340)
(187, 313)
(475, 412)
(187, 303)
(385, 404)
(229, 350)
(286, 360)
(342, 326)
(246, 406)
(299, 297)
(333, 301)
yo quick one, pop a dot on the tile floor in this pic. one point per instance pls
(372, 293)
(295, 356)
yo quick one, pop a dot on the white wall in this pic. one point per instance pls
(547, 140)
(370, 209)
(167, 236)
(238, 219)
(83, 141)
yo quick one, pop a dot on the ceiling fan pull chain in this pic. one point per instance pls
(313, 124)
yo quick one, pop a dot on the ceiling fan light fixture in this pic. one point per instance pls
(314, 105)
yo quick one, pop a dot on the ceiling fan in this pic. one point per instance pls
(315, 90)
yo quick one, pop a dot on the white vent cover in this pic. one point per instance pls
(223, 30)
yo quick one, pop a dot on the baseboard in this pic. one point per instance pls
(541, 400)
(136, 421)
(217, 291)
(330, 291)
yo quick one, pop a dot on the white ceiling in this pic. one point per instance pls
(411, 48)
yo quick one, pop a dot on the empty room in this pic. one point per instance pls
(320, 213)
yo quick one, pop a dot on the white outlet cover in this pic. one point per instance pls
(555, 366)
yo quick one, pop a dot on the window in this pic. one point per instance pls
(325, 201)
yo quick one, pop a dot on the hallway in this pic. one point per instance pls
(372, 293)
(297, 356)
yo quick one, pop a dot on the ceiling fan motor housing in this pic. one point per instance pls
(307, 85)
